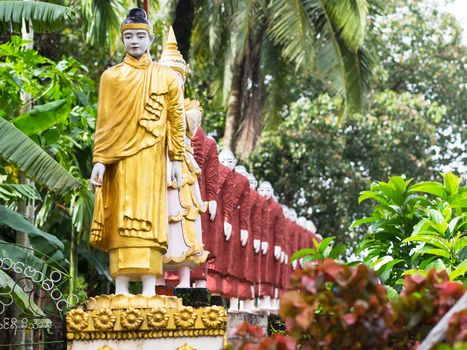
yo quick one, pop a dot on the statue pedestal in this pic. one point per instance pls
(111, 322)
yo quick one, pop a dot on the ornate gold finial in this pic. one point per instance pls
(171, 56)
(105, 347)
(192, 104)
(186, 347)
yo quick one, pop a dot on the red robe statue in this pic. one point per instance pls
(233, 267)
(271, 268)
(218, 242)
(250, 274)
(206, 155)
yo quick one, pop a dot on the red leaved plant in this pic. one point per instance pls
(253, 338)
(424, 300)
(355, 312)
(333, 306)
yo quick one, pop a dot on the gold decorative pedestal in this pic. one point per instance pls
(118, 322)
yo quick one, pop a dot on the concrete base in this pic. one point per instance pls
(198, 343)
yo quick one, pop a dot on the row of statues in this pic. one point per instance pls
(166, 203)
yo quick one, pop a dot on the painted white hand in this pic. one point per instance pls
(256, 245)
(212, 208)
(277, 252)
(264, 247)
(97, 175)
(244, 237)
(176, 173)
(227, 230)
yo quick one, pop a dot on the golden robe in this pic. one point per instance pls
(139, 123)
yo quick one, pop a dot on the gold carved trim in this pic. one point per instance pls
(119, 317)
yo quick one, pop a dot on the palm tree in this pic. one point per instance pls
(322, 38)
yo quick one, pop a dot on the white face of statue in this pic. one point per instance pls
(241, 170)
(292, 214)
(226, 158)
(302, 221)
(310, 226)
(253, 182)
(285, 211)
(136, 41)
(266, 190)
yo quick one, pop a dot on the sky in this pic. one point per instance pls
(459, 9)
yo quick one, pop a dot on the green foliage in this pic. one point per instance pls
(320, 251)
(319, 167)
(33, 161)
(42, 15)
(416, 226)
(420, 51)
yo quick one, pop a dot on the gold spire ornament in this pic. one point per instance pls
(171, 57)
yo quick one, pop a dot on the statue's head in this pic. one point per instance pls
(310, 226)
(241, 170)
(227, 159)
(194, 115)
(253, 182)
(302, 221)
(285, 210)
(293, 214)
(265, 189)
(172, 58)
(136, 33)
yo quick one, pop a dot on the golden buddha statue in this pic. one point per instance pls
(140, 124)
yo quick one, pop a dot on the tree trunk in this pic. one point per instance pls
(250, 125)
(234, 105)
(183, 25)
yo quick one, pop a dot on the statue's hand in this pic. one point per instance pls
(212, 208)
(282, 257)
(176, 172)
(97, 175)
(264, 247)
(227, 230)
(243, 237)
(277, 252)
(294, 264)
(256, 245)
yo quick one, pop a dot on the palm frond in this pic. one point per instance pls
(242, 23)
(102, 20)
(291, 27)
(43, 16)
(33, 161)
(347, 72)
(349, 19)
